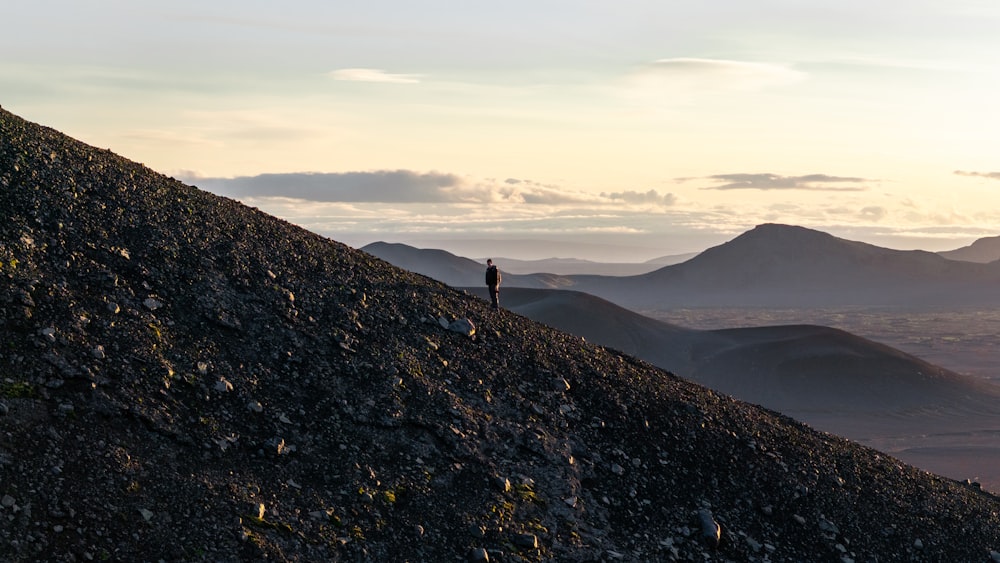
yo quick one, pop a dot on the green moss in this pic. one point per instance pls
(17, 390)
(527, 494)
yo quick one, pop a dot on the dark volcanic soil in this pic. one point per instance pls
(183, 378)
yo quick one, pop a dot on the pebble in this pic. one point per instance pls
(710, 529)
(526, 541)
(477, 554)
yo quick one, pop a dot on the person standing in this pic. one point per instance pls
(493, 282)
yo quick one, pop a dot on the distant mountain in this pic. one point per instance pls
(782, 265)
(454, 270)
(572, 266)
(770, 265)
(184, 378)
(575, 266)
(671, 259)
(982, 250)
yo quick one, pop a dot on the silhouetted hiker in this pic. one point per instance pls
(493, 282)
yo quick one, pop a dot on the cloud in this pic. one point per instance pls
(809, 182)
(409, 187)
(387, 186)
(873, 213)
(990, 175)
(634, 197)
(694, 74)
(372, 75)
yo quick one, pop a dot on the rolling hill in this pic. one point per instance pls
(982, 250)
(185, 378)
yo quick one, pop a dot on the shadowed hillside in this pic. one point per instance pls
(187, 379)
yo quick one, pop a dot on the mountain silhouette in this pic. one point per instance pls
(789, 266)
(186, 378)
(982, 250)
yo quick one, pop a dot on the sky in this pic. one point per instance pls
(612, 131)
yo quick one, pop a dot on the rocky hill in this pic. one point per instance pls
(183, 378)
(982, 250)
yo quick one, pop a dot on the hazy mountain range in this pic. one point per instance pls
(184, 378)
(771, 265)
(576, 266)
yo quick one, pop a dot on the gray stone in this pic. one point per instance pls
(462, 326)
(526, 541)
(223, 385)
(711, 532)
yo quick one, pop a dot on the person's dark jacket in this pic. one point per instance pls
(492, 276)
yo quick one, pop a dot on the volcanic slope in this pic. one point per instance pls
(184, 378)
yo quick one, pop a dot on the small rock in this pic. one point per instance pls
(710, 529)
(918, 544)
(223, 385)
(526, 541)
(255, 406)
(477, 555)
(828, 527)
(7, 501)
(503, 484)
(97, 352)
(799, 519)
(49, 333)
(462, 326)
(114, 308)
(152, 304)
(147, 515)
(4, 409)
(995, 556)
